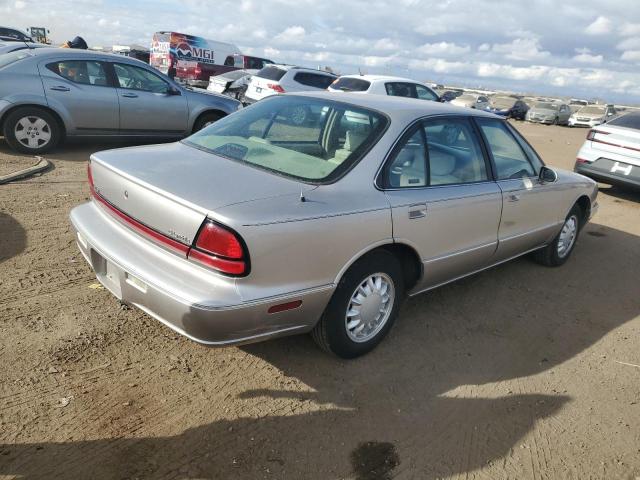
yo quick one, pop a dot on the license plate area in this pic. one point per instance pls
(107, 273)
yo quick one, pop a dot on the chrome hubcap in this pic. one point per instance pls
(32, 132)
(567, 236)
(370, 307)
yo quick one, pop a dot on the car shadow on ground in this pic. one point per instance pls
(79, 149)
(13, 237)
(436, 398)
(620, 192)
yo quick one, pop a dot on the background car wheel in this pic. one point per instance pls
(559, 250)
(205, 120)
(555, 121)
(299, 115)
(363, 307)
(32, 130)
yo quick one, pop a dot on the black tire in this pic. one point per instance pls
(549, 255)
(330, 333)
(33, 118)
(205, 119)
(556, 121)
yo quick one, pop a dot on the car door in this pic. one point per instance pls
(530, 215)
(149, 105)
(78, 89)
(443, 200)
(564, 114)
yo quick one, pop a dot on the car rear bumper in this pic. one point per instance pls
(203, 306)
(610, 171)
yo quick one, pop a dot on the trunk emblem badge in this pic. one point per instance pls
(126, 194)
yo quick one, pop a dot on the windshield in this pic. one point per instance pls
(592, 109)
(546, 106)
(271, 73)
(629, 120)
(12, 57)
(314, 140)
(503, 102)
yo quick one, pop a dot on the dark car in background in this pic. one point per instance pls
(508, 107)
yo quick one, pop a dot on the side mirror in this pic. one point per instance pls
(173, 90)
(547, 175)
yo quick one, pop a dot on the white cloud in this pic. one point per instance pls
(600, 26)
(20, 4)
(443, 49)
(291, 34)
(631, 56)
(523, 49)
(584, 55)
(629, 44)
(629, 29)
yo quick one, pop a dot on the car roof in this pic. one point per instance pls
(283, 66)
(382, 78)
(395, 106)
(75, 53)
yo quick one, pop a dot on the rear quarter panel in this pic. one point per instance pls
(20, 84)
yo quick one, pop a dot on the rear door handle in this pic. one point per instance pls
(419, 210)
(60, 88)
(130, 95)
(514, 198)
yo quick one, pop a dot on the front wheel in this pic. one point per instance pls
(32, 130)
(363, 307)
(205, 120)
(559, 250)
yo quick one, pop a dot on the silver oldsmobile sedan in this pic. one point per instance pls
(257, 227)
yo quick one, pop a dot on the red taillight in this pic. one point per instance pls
(275, 87)
(220, 248)
(197, 70)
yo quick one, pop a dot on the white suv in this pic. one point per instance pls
(274, 79)
(384, 85)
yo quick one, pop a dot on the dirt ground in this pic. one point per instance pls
(520, 372)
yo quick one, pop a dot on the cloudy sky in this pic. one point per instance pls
(583, 48)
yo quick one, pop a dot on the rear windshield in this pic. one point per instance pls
(271, 73)
(546, 106)
(629, 120)
(310, 139)
(12, 57)
(315, 80)
(351, 84)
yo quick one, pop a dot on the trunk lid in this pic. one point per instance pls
(173, 188)
(618, 140)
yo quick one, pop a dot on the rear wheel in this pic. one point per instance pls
(32, 130)
(205, 120)
(559, 250)
(363, 308)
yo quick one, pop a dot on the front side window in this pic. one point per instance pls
(509, 158)
(425, 94)
(81, 71)
(136, 78)
(454, 152)
(314, 140)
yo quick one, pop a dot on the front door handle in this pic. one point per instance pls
(130, 95)
(60, 88)
(418, 210)
(514, 198)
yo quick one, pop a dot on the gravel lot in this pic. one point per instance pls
(518, 372)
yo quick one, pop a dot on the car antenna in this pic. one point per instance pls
(302, 197)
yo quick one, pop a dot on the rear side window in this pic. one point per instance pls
(313, 80)
(508, 156)
(397, 89)
(425, 94)
(630, 120)
(80, 71)
(271, 73)
(348, 84)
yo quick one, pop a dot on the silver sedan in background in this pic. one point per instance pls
(257, 227)
(47, 94)
(550, 113)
